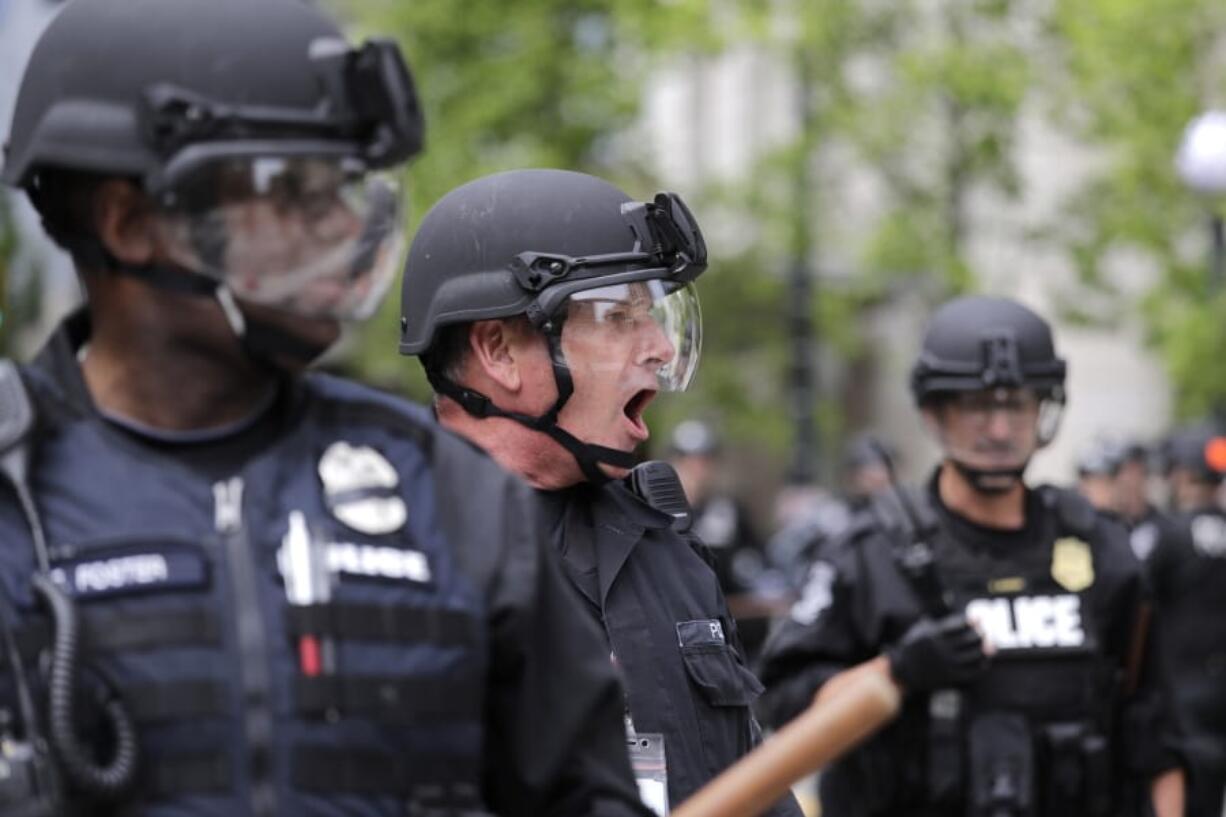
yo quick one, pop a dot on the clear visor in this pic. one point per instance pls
(996, 428)
(652, 326)
(316, 237)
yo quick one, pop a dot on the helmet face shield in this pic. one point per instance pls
(316, 237)
(653, 324)
(995, 429)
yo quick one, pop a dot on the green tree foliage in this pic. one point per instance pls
(537, 83)
(558, 82)
(923, 100)
(1133, 73)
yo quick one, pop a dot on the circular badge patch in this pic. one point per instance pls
(360, 489)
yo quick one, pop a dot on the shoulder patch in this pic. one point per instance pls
(360, 489)
(817, 595)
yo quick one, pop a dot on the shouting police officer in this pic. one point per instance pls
(549, 309)
(1188, 571)
(229, 588)
(1055, 712)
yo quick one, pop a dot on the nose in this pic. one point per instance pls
(654, 345)
(1000, 423)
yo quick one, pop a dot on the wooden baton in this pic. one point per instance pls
(832, 725)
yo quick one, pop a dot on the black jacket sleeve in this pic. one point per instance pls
(1152, 741)
(819, 639)
(556, 740)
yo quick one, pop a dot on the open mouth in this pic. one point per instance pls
(634, 409)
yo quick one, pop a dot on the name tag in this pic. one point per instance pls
(702, 632)
(138, 570)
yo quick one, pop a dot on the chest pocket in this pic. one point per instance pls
(713, 666)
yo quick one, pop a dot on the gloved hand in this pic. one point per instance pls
(934, 654)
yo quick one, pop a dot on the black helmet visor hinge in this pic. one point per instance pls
(370, 101)
(1000, 361)
(587, 455)
(668, 246)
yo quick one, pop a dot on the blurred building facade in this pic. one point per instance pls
(710, 120)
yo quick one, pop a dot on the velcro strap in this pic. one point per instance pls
(175, 775)
(388, 699)
(108, 630)
(112, 631)
(177, 700)
(383, 622)
(449, 779)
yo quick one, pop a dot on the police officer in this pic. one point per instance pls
(1097, 464)
(228, 587)
(1060, 717)
(549, 309)
(1188, 571)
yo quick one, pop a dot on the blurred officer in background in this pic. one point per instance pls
(1145, 522)
(753, 591)
(814, 519)
(549, 308)
(1188, 572)
(719, 519)
(228, 587)
(867, 466)
(1096, 469)
(1057, 712)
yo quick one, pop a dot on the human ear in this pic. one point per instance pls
(495, 350)
(123, 222)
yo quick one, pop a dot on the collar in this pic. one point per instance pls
(985, 536)
(610, 517)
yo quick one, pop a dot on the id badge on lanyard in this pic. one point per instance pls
(647, 760)
(646, 751)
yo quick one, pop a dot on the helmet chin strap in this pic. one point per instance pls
(261, 341)
(589, 456)
(990, 481)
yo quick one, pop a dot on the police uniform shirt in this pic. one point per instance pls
(1050, 599)
(1145, 533)
(460, 678)
(666, 627)
(1188, 572)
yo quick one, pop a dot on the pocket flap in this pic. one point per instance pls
(713, 667)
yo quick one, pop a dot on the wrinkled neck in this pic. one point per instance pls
(532, 456)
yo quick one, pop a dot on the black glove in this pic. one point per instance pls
(937, 654)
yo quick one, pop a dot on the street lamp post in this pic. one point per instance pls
(1201, 163)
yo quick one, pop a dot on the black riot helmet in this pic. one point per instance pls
(979, 342)
(996, 346)
(1199, 449)
(209, 106)
(542, 243)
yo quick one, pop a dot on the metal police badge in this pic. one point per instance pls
(1072, 565)
(360, 489)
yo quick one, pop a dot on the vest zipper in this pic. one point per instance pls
(253, 652)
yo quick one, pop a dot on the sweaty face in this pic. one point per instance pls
(994, 429)
(616, 345)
